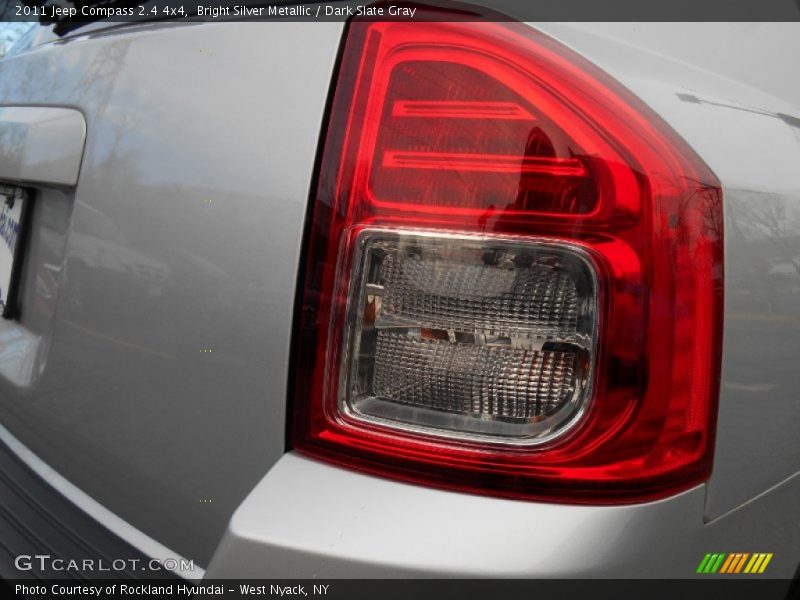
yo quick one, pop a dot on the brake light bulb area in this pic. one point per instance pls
(514, 273)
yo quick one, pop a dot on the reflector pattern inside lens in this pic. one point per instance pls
(483, 380)
(470, 336)
(501, 298)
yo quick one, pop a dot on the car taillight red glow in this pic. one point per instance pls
(514, 273)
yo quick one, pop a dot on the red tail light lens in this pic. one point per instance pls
(514, 276)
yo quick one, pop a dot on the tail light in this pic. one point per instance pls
(513, 278)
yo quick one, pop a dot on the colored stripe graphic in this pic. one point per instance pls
(734, 556)
(764, 564)
(714, 566)
(703, 563)
(755, 562)
(734, 562)
(727, 564)
(740, 564)
(710, 563)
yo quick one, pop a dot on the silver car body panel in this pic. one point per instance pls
(41, 144)
(310, 520)
(149, 364)
(113, 523)
(164, 310)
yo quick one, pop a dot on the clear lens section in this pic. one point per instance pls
(469, 337)
(483, 380)
(494, 293)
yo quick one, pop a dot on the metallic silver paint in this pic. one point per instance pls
(310, 520)
(167, 298)
(42, 145)
(142, 542)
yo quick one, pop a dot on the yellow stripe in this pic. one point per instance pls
(727, 563)
(753, 562)
(754, 568)
(765, 563)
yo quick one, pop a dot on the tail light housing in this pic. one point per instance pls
(514, 273)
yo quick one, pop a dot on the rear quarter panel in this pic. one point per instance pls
(167, 297)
